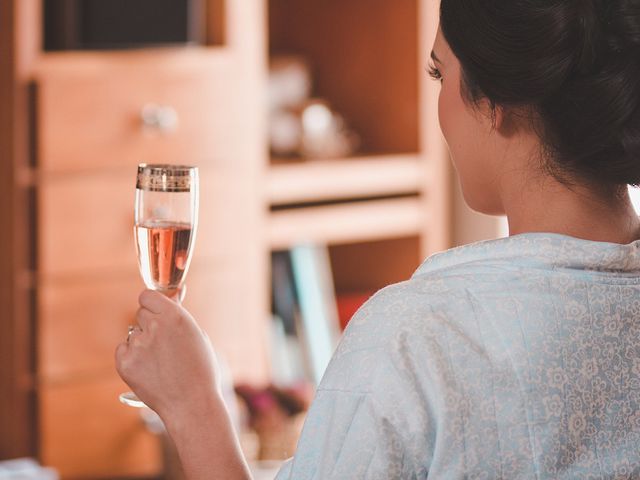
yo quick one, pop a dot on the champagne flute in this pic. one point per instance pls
(166, 219)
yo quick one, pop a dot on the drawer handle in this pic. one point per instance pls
(161, 118)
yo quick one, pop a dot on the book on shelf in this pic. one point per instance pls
(305, 301)
(287, 361)
(319, 327)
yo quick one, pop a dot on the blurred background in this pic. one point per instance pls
(324, 178)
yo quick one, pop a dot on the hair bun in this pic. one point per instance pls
(624, 22)
(590, 32)
(608, 29)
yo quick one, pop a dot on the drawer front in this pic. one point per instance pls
(81, 322)
(85, 222)
(94, 118)
(85, 432)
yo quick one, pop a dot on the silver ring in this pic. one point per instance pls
(130, 330)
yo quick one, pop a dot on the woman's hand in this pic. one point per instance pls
(170, 364)
(168, 361)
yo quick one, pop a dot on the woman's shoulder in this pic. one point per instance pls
(436, 296)
(410, 318)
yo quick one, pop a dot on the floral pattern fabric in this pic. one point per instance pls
(516, 358)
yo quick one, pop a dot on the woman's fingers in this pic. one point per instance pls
(121, 351)
(161, 304)
(155, 309)
(145, 318)
(154, 301)
(121, 355)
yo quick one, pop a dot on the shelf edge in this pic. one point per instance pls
(347, 223)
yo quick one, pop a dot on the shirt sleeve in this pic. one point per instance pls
(368, 420)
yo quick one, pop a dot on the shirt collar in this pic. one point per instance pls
(550, 250)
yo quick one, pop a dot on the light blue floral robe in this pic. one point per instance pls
(517, 358)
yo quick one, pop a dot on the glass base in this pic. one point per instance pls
(130, 398)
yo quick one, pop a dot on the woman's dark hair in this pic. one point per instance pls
(574, 63)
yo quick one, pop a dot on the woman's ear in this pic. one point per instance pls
(499, 115)
(508, 121)
(495, 116)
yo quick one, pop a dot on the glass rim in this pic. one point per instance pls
(166, 177)
(159, 168)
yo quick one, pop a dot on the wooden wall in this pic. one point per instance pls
(17, 403)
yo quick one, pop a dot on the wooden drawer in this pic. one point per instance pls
(91, 118)
(81, 322)
(85, 222)
(85, 432)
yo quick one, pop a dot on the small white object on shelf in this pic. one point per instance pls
(300, 125)
(289, 82)
(25, 469)
(325, 133)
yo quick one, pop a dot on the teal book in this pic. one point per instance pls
(318, 321)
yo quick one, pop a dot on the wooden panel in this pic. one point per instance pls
(216, 21)
(85, 224)
(90, 116)
(229, 304)
(87, 433)
(306, 181)
(364, 59)
(28, 35)
(372, 265)
(18, 37)
(346, 223)
(82, 321)
(161, 60)
(86, 221)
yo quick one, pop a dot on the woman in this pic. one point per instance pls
(514, 358)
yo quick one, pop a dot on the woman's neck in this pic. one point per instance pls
(543, 204)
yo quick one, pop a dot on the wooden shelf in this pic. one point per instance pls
(347, 223)
(358, 177)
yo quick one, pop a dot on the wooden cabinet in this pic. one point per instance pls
(81, 125)
(84, 120)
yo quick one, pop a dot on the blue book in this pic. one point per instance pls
(319, 328)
